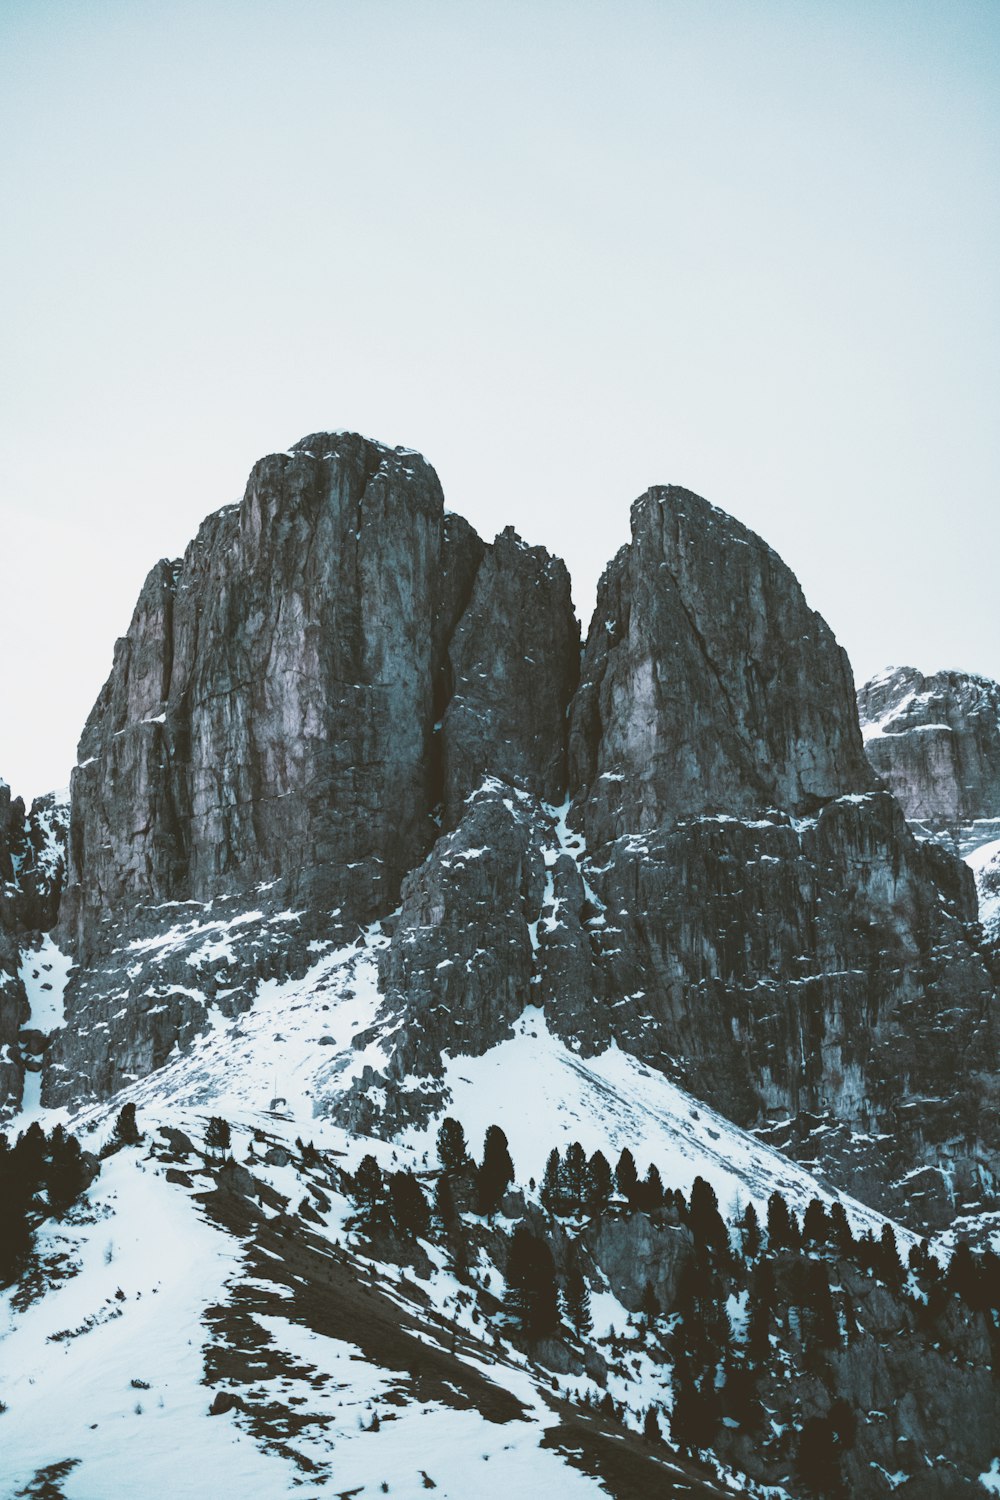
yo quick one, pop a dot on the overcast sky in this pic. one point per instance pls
(567, 250)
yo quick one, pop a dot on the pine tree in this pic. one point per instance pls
(575, 1175)
(496, 1173)
(369, 1191)
(750, 1231)
(704, 1218)
(66, 1176)
(598, 1183)
(551, 1189)
(453, 1154)
(649, 1193)
(841, 1235)
(533, 1297)
(782, 1229)
(444, 1203)
(627, 1176)
(817, 1458)
(126, 1131)
(889, 1265)
(577, 1299)
(815, 1224)
(650, 1305)
(651, 1427)
(408, 1206)
(217, 1135)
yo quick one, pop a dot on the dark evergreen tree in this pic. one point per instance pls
(217, 1135)
(815, 1224)
(408, 1206)
(369, 1191)
(650, 1305)
(649, 1193)
(598, 1183)
(575, 1176)
(704, 1219)
(962, 1278)
(551, 1190)
(782, 1229)
(444, 1203)
(739, 1401)
(627, 1176)
(496, 1173)
(66, 1176)
(889, 1265)
(577, 1299)
(453, 1153)
(533, 1297)
(651, 1427)
(750, 1233)
(126, 1131)
(841, 1235)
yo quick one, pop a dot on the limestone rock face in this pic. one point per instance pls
(515, 660)
(935, 741)
(278, 735)
(271, 713)
(708, 685)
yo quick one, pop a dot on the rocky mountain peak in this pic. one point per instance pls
(708, 683)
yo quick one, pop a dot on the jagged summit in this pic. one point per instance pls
(344, 708)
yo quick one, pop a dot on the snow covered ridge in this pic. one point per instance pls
(255, 1323)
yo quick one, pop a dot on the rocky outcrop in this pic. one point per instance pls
(273, 711)
(514, 660)
(935, 742)
(708, 685)
(747, 911)
(32, 870)
(297, 707)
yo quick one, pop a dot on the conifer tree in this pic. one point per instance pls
(126, 1131)
(575, 1175)
(551, 1189)
(66, 1175)
(369, 1190)
(496, 1173)
(408, 1205)
(841, 1235)
(444, 1203)
(598, 1182)
(577, 1299)
(815, 1224)
(762, 1299)
(627, 1176)
(453, 1154)
(533, 1297)
(782, 1229)
(750, 1233)
(217, 1135)
(649, 1193)
(704, 1219)
(651, 1427)
(889, 1265)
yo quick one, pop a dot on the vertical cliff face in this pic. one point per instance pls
(297, 706)
(708, 684)
(935, 741)
(514, 661)
(272, 711)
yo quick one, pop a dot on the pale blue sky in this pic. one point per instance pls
(565, 250)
